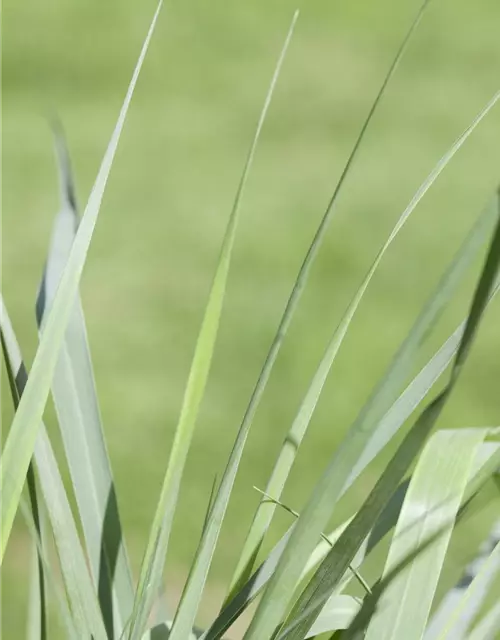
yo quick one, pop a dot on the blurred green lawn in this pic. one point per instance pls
(169, 197)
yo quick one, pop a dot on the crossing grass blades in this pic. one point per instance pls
(302, 588)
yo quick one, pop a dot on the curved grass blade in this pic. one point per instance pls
(188, 606)
(81, 594)
(154, 558)
(454, 596)
(320, 506)
(77, 409)
(260, 524)
(432, 503)
(20, 442)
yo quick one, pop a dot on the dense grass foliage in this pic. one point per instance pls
(173, 351)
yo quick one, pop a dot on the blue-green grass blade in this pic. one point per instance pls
(390, 424)
(20, 442)
(490, 568)
(487, 628)
(253, 542)
(37, 607)
(333, 567)
(338, 613)
(77, 580)
(484, 466)
(77, 408)
(154, 557)
(432, 502)
(188, 606)
(320, 506)
(453, 597)
(52, 579)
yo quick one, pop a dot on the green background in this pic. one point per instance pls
(168, 199)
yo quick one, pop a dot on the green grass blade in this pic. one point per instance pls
(485, 464)
(50, 574)
(487, 628)
(330, 572)
(392, 421)
(432, 503)
(77, 409)
(319, 508)
(84, 604)
(37, 609)
(454, 596)
(188, 606)
(252, 544)
(489, 569)
(20, 442)
(154, 558)
(338, 613)
(356, 630)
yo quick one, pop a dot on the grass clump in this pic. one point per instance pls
(304, 586)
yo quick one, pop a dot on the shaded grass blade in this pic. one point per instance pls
(20, 442)
(335, 564)
(431, 504)
(487, 628)
(51, 579)
(454, 596)
(81, 594)
(37, 608)
(191, 597)
(77, 408)
(489, 568)
(253, 542)
(154, 558)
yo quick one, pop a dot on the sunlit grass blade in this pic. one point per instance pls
(485, 465)
(188, 606)
(356, 630)
(487, 628)
(20, 442)
(489, 569)
(338, 613)
(154, 558)
(260, 524)
(319, 508)
(333, 567)
(83, 599)
(454, 596)
(77, 408)
(431, 503)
